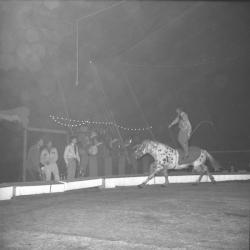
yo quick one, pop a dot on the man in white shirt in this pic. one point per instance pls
(71, 157)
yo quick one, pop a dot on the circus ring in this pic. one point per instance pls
(89, 214)
(109, 212)
(11, 190)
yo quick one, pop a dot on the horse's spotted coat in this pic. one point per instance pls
(166, 156)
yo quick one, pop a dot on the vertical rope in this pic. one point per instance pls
(64, 102)
(77, 55)
(109, 111)
(112, 129)
(131, 90)
(101, 89)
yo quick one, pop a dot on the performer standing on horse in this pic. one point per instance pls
(185, 129)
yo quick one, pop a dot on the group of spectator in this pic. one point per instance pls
(42, 158)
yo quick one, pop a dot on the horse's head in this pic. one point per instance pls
(141, 149)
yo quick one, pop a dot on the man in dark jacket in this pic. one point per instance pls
(33, 170)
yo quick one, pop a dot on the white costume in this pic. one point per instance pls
(49, 161)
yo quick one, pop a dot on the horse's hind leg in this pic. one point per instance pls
(210, 176)
(199, 179)
(200, 169)
(204, 170)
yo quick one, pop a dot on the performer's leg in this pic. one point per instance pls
(183, 140)
(185, 145)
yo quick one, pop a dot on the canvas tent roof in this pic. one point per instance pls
(148, 57)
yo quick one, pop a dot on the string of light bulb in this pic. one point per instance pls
(79, 123)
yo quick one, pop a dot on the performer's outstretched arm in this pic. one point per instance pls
(175, 121)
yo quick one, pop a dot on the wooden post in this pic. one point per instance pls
(108, 166)
(121, 164)
(24, 154)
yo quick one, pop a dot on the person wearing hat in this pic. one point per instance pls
(71, 157)
(93, 149)
(185, 129)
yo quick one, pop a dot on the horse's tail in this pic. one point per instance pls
(215, 164)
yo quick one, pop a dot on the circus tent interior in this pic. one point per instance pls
(128, 62)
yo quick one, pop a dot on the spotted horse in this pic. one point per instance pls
(166, 157)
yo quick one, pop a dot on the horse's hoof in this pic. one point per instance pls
(195, 184)
(140, 186)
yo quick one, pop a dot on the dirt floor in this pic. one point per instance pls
(180, 216)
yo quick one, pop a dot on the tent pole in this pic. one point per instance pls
(24, 153)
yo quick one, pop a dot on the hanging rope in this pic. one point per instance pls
(64, 102)
(131, 90)
(77, 21)
(101, 89)
(202, 62)
(165, 25)
(172, 137)
(101, 10)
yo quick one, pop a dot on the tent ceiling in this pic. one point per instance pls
(172, 53)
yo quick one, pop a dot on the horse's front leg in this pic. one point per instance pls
(153, 171)
(165, 172)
